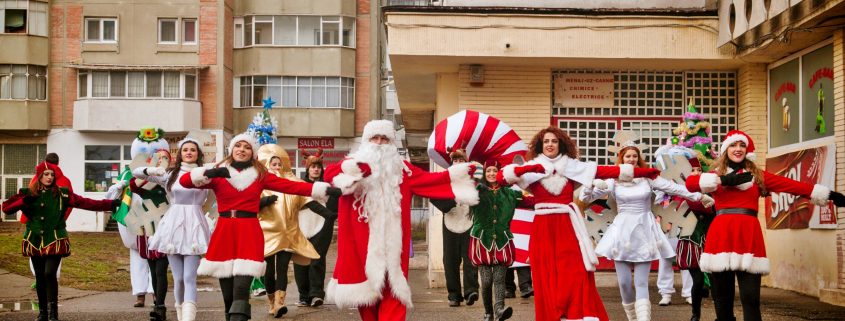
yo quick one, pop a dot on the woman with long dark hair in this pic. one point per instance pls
(735, 248)
(46, 239)
(182, 233)
(236, 249)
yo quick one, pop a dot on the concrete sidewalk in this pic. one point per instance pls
(429, 304)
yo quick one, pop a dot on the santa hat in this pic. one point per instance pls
(734, 136)
(244, 137)
(187, 140)
(379, 127)
(313, 159)
(694, 162)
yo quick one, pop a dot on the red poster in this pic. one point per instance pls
(787, 211)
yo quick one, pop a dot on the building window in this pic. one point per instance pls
(138, 84)
(103, 164)
(170, 33)
(167, 31)
(294, 31)
(101, 30)
(17, 165)
(189, 31)
(289, 91)
(23, 82)
(23, 17)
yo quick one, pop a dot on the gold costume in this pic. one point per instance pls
(280, 220)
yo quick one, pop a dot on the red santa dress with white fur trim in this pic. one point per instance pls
(372, 255)
(237, 244)
(735, 240)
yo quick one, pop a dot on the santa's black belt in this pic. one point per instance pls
(737, 210)
(238, 214)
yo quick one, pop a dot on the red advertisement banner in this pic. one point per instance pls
(787, 211)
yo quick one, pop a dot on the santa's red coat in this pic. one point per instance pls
(373, 252)
(735, 240)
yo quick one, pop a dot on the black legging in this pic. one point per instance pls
(235, 288)
(723, 295)
(46, 282)
(276, 274)
(158, 270)
(697, 290)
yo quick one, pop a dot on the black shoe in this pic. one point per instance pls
(694, 318)
(303, 302)
(527, 294)
(488, 317)
(506, 314)
(454, 303)
(510, 294)
(240, 311)
(318, 301)
(42, 314)
(471, 298)
(159, 313)
(54, 311)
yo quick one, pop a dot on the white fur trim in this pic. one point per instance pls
(462, 184)
(246, 138)
(708, 183)
(626, 172)
(243, 179)
(731, 261)
(189, 139)
(554, 183)
(346, 183)
(820, 195)
(310, 223)
(350, 167)
(225, 269)
(730, 140)
(600, 184)
(351, 295)
(379, 127)
(509, 174)
(198, 177)
(318, 192)
(751, 156)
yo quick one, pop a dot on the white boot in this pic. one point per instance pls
(643, 308)
(666, 299)
(178, 312)
(630, 311)
(189, 311)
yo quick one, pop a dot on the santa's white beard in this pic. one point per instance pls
(379, 192)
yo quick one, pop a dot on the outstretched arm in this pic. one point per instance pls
(151, 174)
(455, 183)
(316, 190)
(672, 188)
(818, 194)
(105, 205)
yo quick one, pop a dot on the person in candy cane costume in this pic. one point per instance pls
(735, 248)
(560, 250)
(374, 221)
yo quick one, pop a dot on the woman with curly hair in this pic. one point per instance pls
(560, 250)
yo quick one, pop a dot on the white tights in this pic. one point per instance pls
(184, 269)
(639, 282)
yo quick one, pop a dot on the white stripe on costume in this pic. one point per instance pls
(229, 268)
(731, 261)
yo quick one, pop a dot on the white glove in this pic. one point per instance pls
(155, 171)
(115, 190)
(599, 184)
(707, 201)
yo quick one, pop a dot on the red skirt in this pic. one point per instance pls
(735, 243)
(480, 256)
(144, 250)
(60, 247)
(236, 248)
(563, 288)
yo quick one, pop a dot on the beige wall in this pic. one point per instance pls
(304, 7)
(295, 61)
(303, 122)
(24, 115)
(32, 50)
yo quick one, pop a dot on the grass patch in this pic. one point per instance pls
(98, 261)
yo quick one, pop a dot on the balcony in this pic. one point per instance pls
(24, 115)
(304, 122)
(295, 61)
(28, 50)
(127, 115)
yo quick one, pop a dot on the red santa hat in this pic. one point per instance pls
(379, 127)
(244, 137)
(734, 136)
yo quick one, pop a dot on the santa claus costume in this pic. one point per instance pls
(236, 249)
(560, 250)
(374, 222)
(735, 247)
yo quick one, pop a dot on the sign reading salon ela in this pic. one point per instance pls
(584, 89)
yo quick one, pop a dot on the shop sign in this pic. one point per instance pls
(809, 166)
(315, 142)
(584, 89)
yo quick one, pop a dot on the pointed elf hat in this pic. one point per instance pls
(734, 136)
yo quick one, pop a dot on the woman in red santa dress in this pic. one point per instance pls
(735, 246)
(374, 222)
(560, 250)
(236, 249)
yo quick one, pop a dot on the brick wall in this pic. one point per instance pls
(362, 66)
(839, 132)
(208, 33)
(65, 47)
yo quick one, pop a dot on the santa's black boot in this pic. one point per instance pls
(42, 313)
(240, 311)
(54, 311)
(159, 313)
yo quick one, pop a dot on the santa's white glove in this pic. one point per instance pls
(707, 201)
(155, 171)
(115, 190)
(599, 184)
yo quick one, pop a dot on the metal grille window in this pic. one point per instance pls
(652, 133)
(591, 137)
(637, 94)
(17, 165)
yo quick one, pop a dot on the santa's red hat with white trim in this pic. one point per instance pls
(734, 136)
(247, 138)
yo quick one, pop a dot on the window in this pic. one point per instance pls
(101, 30)
(137, 84)
(103, 164)
(294, 31)
(189, 31)
(315, 92)
(167, 31)
(23, 17)
(24, 82)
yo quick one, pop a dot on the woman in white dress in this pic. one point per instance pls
(634, 239)
(183, 232)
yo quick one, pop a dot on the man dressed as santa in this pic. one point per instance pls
(374, 221)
